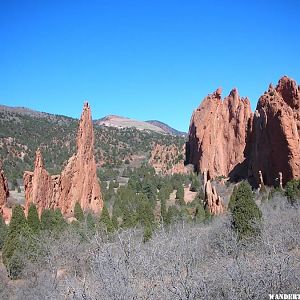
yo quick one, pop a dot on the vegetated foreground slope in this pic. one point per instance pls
(22, 131)
(200, 261)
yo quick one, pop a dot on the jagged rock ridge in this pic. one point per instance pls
(218, 132)
(228, 140)
(275, 145)
(78, 181)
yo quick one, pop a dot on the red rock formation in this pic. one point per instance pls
(226, 139)
(275, 138)
(78, 181)
(4, 191)
(213, 202)
(38, 185)
(218, 133)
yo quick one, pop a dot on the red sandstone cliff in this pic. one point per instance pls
(275, 134)
(218, 133)
(78, 181)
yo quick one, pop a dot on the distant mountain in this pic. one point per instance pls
(166, 128)
(27, 112)
(123, 122)
(108, 121)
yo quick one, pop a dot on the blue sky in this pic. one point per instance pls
(143, 59)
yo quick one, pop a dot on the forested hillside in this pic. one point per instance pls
(23, 131)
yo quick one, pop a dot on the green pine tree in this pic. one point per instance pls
(180, 195)
(90, 224)
(292, 190)
(149, 189)
(105, 220)
(114, 220)
(163, 209)
(200, 214)
(78, 213)
(33, 218)
(46, 219)
(144, 211)
(3, 231)
(232, 199)
(13, 246)
(18, 220)
(147, 234)
(53, 220)
(208, 215)
(195, 184)
(59, 222)
(245, 212)
(173, 215)
(17, 249)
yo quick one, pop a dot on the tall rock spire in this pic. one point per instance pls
(4, 192)
(78, 181)
(85, 134)
(38, 185)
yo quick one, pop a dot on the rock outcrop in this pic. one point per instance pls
(218, 134)
(212, 201)
(78, 181)
(227, 139)
(275, 134)
(168, 160)
(4, 191)
(38, 185)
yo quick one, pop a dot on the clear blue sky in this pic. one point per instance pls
(143, 59)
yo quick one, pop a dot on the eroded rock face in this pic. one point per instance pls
(227, 139)
(78, 181)
(4, 191)
(275, 134)
(213, 202)
(218, 134)
(38, 185)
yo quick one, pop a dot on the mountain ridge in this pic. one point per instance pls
(111, 120)
(125, 122)
(167, 128)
